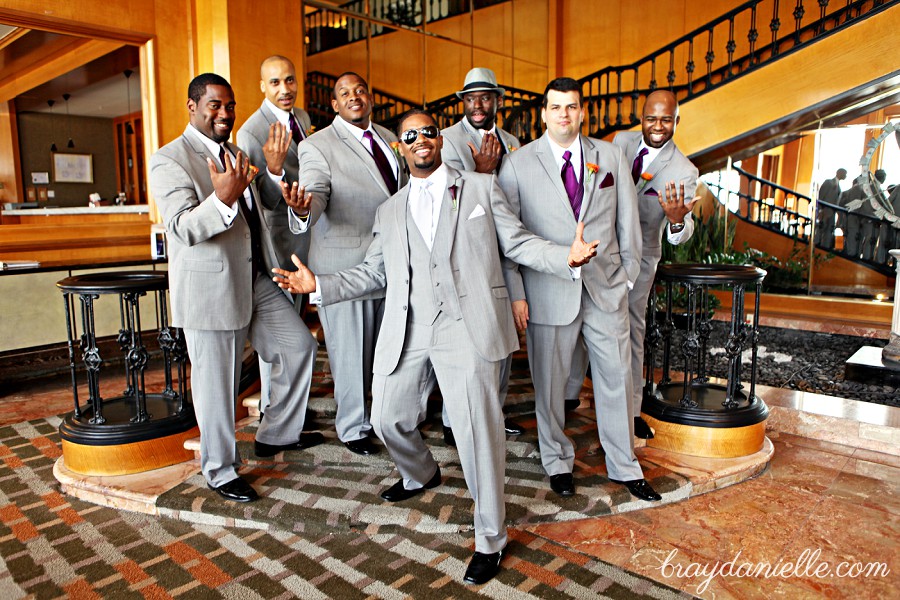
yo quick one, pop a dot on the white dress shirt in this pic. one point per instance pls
(228, 212)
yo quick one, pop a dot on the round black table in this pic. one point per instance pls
(135, 415)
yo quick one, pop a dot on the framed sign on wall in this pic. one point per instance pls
(73, 168)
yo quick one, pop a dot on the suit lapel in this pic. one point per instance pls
(661, 161)
(454, 178)
(589, 154)
(401, 208)
(545, 157)
(356, 147)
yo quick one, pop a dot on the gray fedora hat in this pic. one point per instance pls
(480, 79)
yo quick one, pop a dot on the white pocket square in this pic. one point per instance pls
(478, 212)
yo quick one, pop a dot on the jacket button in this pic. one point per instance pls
(438, 284)
(404, 307)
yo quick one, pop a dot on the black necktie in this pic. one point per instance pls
(222, 157)
(296, 132)
(381, 161)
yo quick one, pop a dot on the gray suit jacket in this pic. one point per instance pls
(474, 258)
(251, 137)
(670, 165)
(347, 189)
(456, 152)
(210, 268)
(533, 186)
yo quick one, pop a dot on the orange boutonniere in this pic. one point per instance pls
(395, 146)
(645, 177)
(511, 148)
(592, 169)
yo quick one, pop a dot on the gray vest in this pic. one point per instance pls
(431, 288)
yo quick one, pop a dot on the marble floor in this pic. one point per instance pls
(828, 501)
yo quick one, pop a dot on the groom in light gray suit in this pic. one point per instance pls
(350, 168)
(447, 315)
(220, 292)
(270, 137)
(664, 178)
(554, 183)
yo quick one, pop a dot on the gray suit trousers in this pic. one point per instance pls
(550, 351)
(280, 337)
(351, 329)
(469, 385)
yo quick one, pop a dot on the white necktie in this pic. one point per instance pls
(423, 213)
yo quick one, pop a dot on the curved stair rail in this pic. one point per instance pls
(740, 41)
(790, 214)
(326, 29)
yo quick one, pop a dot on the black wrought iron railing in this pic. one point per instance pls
(327, 29)
(852, 234)
(743, 39)
(519, 115)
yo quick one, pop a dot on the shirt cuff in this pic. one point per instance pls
(575, 272)
(316, 296)
(674, 238)
(276, 179)
(228, 213)
(297, 223)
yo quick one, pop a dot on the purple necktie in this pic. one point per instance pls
(637, 167)
(570, 182)
(296, 132)
(381, 161)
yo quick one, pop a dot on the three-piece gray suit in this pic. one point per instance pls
(346, 188)
(220, 300)
(593, 305)
(447, 316)
(669, 165)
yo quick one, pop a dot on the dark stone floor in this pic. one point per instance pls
(800, 360)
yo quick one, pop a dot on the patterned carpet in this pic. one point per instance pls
(320, 530)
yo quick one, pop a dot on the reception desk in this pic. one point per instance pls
(76, 214)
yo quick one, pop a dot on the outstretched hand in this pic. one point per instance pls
(297, 198)
(301, 281)
(581, 252)
(674, 205)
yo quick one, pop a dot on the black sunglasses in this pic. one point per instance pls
(411, 135)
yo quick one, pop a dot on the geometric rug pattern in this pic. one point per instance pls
(56, 546)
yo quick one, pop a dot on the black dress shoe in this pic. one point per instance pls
(641, 489)
(512, 428)
(483, 567)
(307, 440)
(641, 429)
(572, 404)
(236, 490)
(362, 446)
(563, 484)
(449, 439)
(397, 492)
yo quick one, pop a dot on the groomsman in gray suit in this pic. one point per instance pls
(554, 183)
(351, 168)
(475, 143)
(270, 137)
(447, 315)
(220, 292)
(664, 177)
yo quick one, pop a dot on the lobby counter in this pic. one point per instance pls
(76, 214)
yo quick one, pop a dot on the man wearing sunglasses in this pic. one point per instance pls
(447, 313)
(349, 168)
(476, 143)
